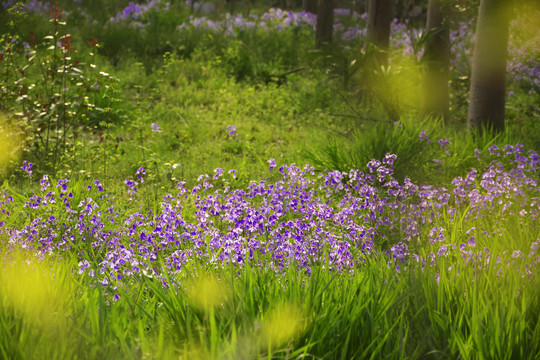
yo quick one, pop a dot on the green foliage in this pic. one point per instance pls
(344, 152)
(148, 41)
(216, 313)
(194, 84)
(523, 116)
(427, 152)
(54, 95)
(390, 91)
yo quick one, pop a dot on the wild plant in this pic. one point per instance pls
(53, 92)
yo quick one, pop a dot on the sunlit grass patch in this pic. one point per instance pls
(206, 291)
(10, 143)
(37, 291)
(281, 325)
(36, 298)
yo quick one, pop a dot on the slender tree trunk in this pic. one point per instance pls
(437, 60)
(325, 23)
(488, 76)
(378, 27)
(310, 6)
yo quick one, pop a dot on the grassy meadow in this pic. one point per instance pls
(177, 184)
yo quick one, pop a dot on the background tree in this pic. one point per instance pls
(437, 61)
(488, 75)
(325, 22)
(310, 6)
(378, 27)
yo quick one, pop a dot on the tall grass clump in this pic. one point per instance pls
(427, 151)
(410, 142)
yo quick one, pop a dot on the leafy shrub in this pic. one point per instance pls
(53, 94)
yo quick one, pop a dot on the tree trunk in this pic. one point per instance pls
(310, 6)
(488, 75)
(437, 60)
(325, 23)
(378, 27)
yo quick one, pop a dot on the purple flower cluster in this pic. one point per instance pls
(131, 183)
(349, 27)
(461, 40)
(231, 131)
(134, 14)
(523, 64)
(405, 38)
(27, 167)
(346, 24)
(32, 6)
(335, 220)
(232, 25)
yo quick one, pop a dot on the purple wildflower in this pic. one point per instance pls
(424, 136)
(139, 174)
(98, 185)
(45, 182)
(444, 143)
(231, 131)
(272, 163)
(27, 166)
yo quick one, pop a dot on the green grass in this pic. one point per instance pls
(193, 87)
(218, 314)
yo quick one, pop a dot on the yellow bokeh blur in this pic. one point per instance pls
(396, 86)
(9, 142)
(206, 291)
(525, 29)
(38, 291)
(281, 325)
(194, 352)
(405, 82)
